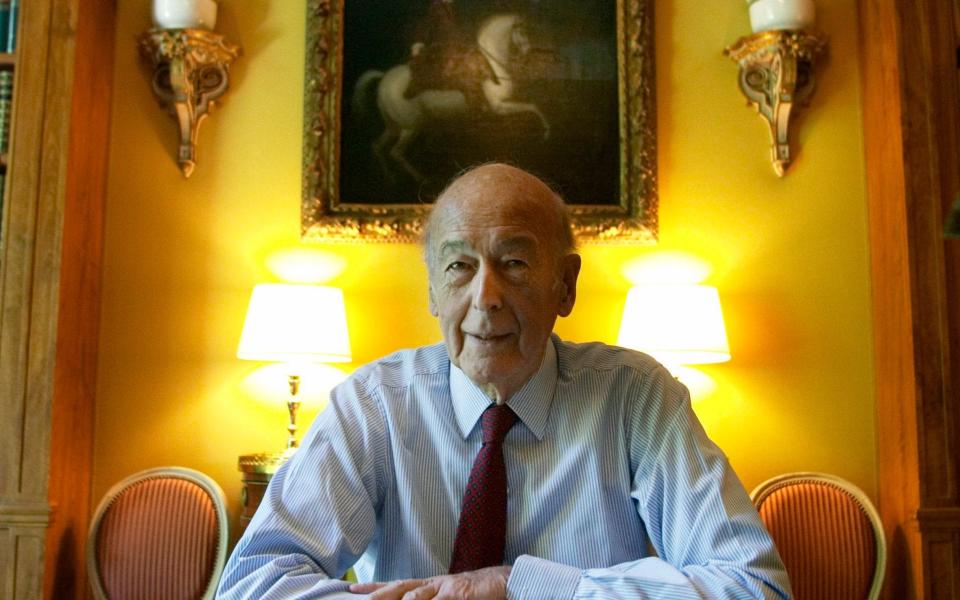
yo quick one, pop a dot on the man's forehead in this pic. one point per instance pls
(490, 201)
(496, 240)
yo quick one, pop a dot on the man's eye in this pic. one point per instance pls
(515, 263)
(457, 266)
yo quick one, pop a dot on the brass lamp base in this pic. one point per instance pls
(293, 406)
(256, 471)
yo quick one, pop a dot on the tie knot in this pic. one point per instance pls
(496, 421)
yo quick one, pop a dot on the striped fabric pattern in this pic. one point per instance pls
(158, 540)
(605, 461)
(826, 541)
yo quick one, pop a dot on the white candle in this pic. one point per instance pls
(767, 15)
(180, 14)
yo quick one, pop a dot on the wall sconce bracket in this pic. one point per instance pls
(776, 76)
(191, 69)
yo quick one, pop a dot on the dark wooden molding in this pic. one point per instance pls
(75, 370)
(912, 150)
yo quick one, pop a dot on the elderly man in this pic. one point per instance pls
(506, 463)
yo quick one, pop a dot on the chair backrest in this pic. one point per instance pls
(161, 533)
(828, 534)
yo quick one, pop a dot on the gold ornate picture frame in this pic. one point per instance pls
(532, 84)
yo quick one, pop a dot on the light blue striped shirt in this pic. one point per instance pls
(606, 464)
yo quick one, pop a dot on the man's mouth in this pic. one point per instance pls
(489, 337)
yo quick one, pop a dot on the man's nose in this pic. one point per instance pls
(487, 289)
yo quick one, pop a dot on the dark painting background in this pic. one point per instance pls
(579, 100)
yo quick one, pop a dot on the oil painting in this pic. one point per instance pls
(401, 96)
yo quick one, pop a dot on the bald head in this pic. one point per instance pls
(494, 190)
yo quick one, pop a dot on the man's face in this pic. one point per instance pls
(495, 280)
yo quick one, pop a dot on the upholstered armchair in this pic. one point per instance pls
(161, 533)
(828, 534)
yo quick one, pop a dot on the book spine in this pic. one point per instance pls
(4, 22)
(12, 25)
(3, 186)
(6, 104)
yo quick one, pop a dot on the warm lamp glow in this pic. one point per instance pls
(305, 265)
(666, 268)
(676, 324)
(295, 323)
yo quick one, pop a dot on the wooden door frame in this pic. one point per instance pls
(912, 151)
(49, 291)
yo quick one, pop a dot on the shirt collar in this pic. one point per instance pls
(531, 404)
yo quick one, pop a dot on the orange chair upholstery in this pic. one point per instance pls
(161, 533)
(828, 534)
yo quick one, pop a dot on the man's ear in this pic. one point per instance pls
(570, 270)
(432, 302)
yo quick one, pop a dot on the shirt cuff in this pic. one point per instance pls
(533, 578)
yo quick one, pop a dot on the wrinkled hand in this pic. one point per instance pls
(484, 584)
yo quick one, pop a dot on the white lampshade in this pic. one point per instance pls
(295, 323)
(676, 324)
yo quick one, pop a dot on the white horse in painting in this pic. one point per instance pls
(501, 38)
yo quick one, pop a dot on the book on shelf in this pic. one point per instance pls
(3, 185)
(4, 23)
(6, 104)
(11, 38)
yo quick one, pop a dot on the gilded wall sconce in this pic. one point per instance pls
(191, 66)
(776, 66)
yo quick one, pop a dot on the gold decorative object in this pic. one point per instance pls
(256, 471)
(293, 407)
(776, 76)
(190, 71)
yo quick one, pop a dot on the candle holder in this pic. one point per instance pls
(190, 71)
(769, 15)
(777, 77)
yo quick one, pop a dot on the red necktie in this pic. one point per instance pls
(482, 531)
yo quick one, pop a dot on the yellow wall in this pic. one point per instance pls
(788, 255)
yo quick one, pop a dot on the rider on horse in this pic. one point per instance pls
(442, 57)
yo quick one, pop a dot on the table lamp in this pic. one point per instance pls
(676, 324)
(295, 324)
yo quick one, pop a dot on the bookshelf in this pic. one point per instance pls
(9, 21)
(8, 61)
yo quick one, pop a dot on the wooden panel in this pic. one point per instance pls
(27, 334)
(71, 451)
(29, 580)
(949, 46)
(19, 242)
(929, 55)
(944, 556)
(896, 394)
(941, 539)
(21, 543)
(912, 143)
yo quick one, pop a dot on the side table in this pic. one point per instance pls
(256, 471)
